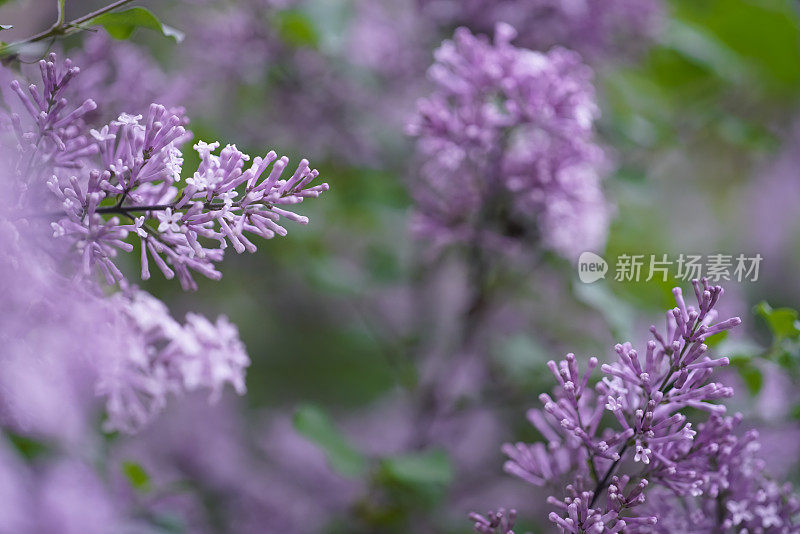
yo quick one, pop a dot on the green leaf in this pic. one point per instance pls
(315, 425)
(427, 468)
(763, 34)
(136, 475)
(296, 28)
(29, 448)
(783, 322)
(694, 43)
(740, 359)
(121, 24)
(716, 339)
(6, 26)
(753, 378)
(787, 355)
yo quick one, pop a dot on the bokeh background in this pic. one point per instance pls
(350, 319)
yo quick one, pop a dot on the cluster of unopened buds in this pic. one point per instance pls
(219, 203)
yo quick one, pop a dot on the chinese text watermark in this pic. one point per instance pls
(662, 267)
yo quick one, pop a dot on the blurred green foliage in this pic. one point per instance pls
(784, 326)
(295, 28)
(136, 475)
(315, 425)
(783, 348)
(29, 448)
(782, 322)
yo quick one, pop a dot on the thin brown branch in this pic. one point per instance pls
(61, 28)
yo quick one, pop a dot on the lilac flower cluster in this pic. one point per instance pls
(507, 145)
(703, 471)
(93, 189)
(125, 181)
(53, 336)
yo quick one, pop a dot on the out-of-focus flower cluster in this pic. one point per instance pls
(62, 496)
(594, 27)
(163, 357)
(241, 29)
(509, 162)
(697, 472)
(507, 145)
(64, 343)
(121, 76)
(305, 83)
(263, 476)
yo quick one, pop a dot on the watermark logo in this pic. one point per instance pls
(591, 267)
(647, 267)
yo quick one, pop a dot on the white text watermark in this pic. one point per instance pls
(662, 267)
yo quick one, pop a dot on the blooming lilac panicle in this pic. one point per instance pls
(507, 146)
(652, 448)
(78, 195)
(131, 185)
